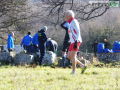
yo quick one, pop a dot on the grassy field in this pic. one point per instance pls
(47, 78)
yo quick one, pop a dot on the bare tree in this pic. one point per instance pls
(12, 13)
(84, 11)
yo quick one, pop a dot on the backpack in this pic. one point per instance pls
(116, 46)
(108, 50)
(100, 48)
(32, 48)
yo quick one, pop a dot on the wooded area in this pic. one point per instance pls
(22, 16)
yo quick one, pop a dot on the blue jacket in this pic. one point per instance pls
(35, 39)
(26, 40)
(42, 38)
(10, 42)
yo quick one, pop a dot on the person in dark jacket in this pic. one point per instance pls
(94, 46)
(10, 42)
(106, 44)
(66, 42)
(26, 41)
(42, 38)
(51, 45)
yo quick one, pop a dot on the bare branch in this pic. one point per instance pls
(84, 10)
(72, 4)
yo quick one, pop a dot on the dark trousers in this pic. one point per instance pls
(95, 52)
(25, 47)
(42, 51)
(10, 50)
(35, 45)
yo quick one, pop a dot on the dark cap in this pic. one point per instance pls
(29, 33)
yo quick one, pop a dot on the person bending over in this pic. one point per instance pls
(52, 45)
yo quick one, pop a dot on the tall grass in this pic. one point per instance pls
(47, 78)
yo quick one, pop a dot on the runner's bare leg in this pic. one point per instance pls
(70, 57)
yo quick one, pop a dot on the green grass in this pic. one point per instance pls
(47, 78)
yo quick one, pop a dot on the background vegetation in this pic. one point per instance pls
(22, 16)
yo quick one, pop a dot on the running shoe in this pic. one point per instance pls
(83, 69)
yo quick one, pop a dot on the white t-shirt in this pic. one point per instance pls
(74, 31)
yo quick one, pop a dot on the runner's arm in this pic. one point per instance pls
(62, 25)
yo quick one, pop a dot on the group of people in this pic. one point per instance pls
(94, 46)
(39, 41)
(71, 42)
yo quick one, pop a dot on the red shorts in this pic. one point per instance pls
(71, 47)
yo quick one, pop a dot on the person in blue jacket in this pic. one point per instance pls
(10, 42)
(51, 45)
(26, 41)
(42, 38)
(35, 40)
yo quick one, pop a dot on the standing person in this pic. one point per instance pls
(76, 40)
(26, 41)
(52, 45)
(35, 40)
(106, 44)
(66, 42)
(10, 42)
(94, 46)
(42, 38)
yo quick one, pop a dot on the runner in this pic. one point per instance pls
(76, 40)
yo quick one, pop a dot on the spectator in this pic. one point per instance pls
(106, 44)
(10, 42)
(26, 41)
(42, 38)
(35, 40)
(66, 42)
(52, 45)
(94, 46)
